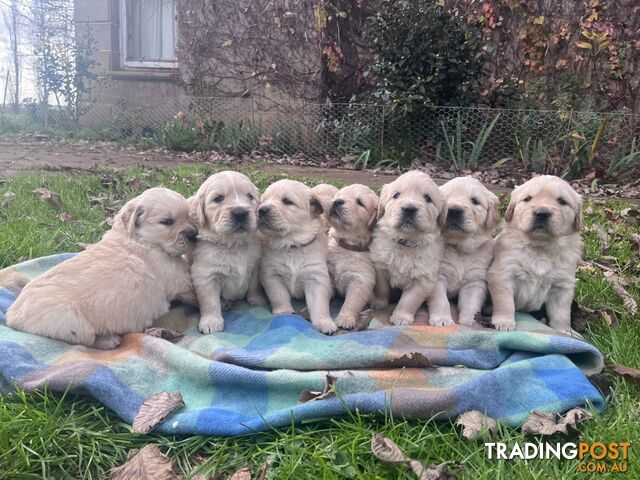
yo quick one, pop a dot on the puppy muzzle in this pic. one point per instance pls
(540, 221)
(455, 220)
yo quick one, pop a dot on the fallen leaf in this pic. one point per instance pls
(602, 382)
(155, 409)
(8, 197)
(541, 423)
(67, 217)
(98, 200)
(609, 317)
(476, 424)
(635, 238)
(49, 197)
(618, 284)
(164, 333)
(262, 473)
(387, 451)
(626, 372)
(327, 392)
(134, 183)
(148, 464)
(603, 236)
(444, 471)
(243, 474)
(415, 360)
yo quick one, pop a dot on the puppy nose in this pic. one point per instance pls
(409, 210)
(191, 234)
(240, 214)
(338, 202)
(542, 214)
(262, 211)
(455, 212)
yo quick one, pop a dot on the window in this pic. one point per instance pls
(148, 33)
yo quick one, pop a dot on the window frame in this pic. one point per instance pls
(159, 64)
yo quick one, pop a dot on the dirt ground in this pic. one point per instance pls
(43, 153)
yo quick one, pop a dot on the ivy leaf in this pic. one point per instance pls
(585, 45)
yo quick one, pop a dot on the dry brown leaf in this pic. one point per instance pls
(618, 284)
(540, 423)
(603, 236)
(626, 372)
(8, 197)
(327, 392)
(415, 360)
(243, 474)
(387, 451)
(49, 197)
(155, 409)
(262, 473)
(67, 217)
(148, 464)
(476, 424)
(98, 200)
(164, 333)
(444, 471)
(609, 317)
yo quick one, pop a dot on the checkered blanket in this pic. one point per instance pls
(250, 377)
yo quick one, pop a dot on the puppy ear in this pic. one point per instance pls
(316, 206)
(442, 215)
(128, 218)
(493, 217)
(384, 198)
(196, 212)
(579, 219)
(515, 195)
(373, 219)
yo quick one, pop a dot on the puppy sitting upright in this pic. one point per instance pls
(225, 260)
(352, 216)
(119, 285)
(294, 260)
(472, 214)
(537, 254)
(407, 244)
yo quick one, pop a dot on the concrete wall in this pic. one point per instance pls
(101, 20)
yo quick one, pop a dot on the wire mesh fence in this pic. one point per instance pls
(568, 142)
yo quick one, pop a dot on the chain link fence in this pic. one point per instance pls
(568, 142)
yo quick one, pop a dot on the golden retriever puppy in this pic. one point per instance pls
(325, 193)
(352, 217)
(119, 285)
(472, 214)
(537, 254)
(225, 260)
(294, 258)
(407, 244)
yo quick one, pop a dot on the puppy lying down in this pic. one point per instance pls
(119, 285)
(352, 216)
(294, 259)
(537, 254)
(472, 214)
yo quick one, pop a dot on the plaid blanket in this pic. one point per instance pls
(250, 377)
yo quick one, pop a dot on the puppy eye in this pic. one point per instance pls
(427, 198)
(359, 202)
(218, 198)
(250, 197)
(287, 201)
(527, 198)
(396, 195)
(562, 201)
(167, 221)
(475, 201)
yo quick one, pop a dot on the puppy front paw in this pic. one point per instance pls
(107, 342)
(440, 320)
(401, 318)
(346, 320)
(211, 324)
(503, 324)
(325, 325)
(257, 300)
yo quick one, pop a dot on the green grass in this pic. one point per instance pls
(44, 435)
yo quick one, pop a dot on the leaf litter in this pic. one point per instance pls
(542, 423)
(155, 409)
(149, 463)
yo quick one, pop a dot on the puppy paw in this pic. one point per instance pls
(107, 342)
(210, 324)
(401, 318)
(440, 320)
(378, 303)
(325, 325)
(257, 300)
(503, 324)
(346, 320)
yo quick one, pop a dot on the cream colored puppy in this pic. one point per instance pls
(352, 216)
(225, 260)
(472, 214)
(537, 254)
(119, 285)
(325, 193)
(407, 244)
(294, 259)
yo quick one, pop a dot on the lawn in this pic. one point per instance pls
(45, 436)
